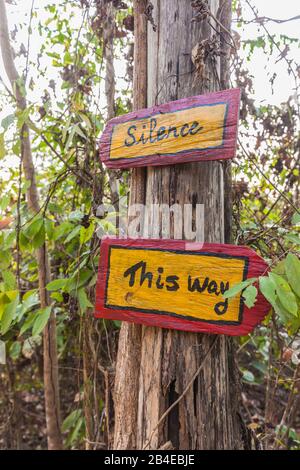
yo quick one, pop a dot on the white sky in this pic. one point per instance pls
(257, 67)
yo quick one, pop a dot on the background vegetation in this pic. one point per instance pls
(90, 45)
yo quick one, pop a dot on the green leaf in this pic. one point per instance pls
(71, 420)
(15, 350)
(285, 294)
(30, 293)
(57, 284)
(39, 238)
(9, 314)
(28, 304)
(79, 132)
(24, 241)
(86, 120)
(296, 218)
(57, 296)
(34, 227)
(73, 234)
(283, 314)
(238, 288)
(248, 376)
(86, 233)
(41, 320)
(70, 138)
(62, 229)
(249, 296)
(33, 127)
(4, 301)
(293, 238)
(79, 279)
(83, 300)
(49, 228)
(9, 280)
(74, 436)
(279, 268)
(5, 200)
(28, 323)
(5, 259)
(292, 269)
(267, 288)
(7, 121)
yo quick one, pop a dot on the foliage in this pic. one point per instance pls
(66, 115)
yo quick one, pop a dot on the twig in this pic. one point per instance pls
(266, 177)
(266, 19)
(63, 161)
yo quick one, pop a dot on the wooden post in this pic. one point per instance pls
(129, 351)
(155, 365)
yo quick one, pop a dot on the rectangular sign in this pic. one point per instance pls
(190, 129)
(161, 283)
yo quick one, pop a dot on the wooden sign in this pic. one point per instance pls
(192, 129)
(161, 283)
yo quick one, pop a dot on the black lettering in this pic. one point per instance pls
(146, 275)
(159, 284)
(221, 307)
(224, 288)
(161, 133)
(174, 130)
(132, 271)
(194, 129)
(182, 133)
(153, 123)
(195, 285)
(172, 280)
(129, 132)
(213, 288)
(143, 139)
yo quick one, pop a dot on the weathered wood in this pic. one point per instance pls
(178, 285)
(225, 16)
(208, 415)
(198, 128)
(129, 348)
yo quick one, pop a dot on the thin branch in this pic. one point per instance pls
(267, 19)
(248, 155)
(63, 161)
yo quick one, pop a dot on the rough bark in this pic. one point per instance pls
(225, 15)
(207, 417)
(129, 350)
(51, 386)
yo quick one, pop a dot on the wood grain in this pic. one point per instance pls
(169, 284)
(209, 416)
(190, 129)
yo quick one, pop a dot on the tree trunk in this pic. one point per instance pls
(164, 362)
(129, 350)
(49, 336)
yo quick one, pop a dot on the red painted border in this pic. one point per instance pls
(251, 317)
(226, 151)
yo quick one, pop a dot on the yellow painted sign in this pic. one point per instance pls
(184, 284)
(200, 127)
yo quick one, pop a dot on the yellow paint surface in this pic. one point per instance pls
(210, 118)
(182, 302)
